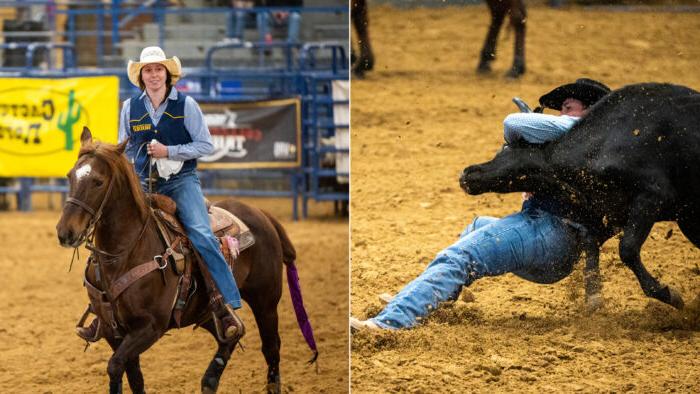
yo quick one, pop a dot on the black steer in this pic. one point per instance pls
(632, 161)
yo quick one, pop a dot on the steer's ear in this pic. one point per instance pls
(86, 136)
(122, 146)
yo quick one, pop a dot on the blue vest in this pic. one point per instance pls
(170, 130)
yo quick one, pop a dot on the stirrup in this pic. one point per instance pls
(232, 332)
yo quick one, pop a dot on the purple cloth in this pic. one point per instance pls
(299, 310)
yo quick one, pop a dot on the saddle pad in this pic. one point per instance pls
(229, 224)
(223, 223)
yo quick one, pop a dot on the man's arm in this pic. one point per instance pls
(536, 128)
(201, 144)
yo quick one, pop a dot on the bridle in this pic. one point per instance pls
(89, 231)
(88, 234)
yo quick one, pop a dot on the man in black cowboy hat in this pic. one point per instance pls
(572, 100)
(534, 243)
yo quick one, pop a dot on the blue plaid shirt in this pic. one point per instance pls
(536, 128)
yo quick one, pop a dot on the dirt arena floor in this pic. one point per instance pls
(41, 302)
(418, 120)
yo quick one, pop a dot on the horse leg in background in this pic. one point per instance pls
(635, 232)
(518, 17)
(126, 356)
(591, 276)
(265, 311)
(498, 9)
(360, 19)
(210, 380)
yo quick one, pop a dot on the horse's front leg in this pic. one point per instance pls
(488, 51)
(636, 231)
(126, 359)
(135, 376)
(212, 376)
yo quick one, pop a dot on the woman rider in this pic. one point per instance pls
(162, 123)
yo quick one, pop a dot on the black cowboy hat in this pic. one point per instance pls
(586, 90)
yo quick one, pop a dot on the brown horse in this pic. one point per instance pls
(107, 206)
(499, 9)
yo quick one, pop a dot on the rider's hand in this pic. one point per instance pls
(157, 150)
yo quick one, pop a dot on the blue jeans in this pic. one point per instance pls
(186, 190)
(532, 244)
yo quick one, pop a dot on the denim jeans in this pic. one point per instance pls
(532, 244)
(185, 189)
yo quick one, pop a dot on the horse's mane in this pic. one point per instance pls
(122, 171)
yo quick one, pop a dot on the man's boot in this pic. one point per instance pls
(90, 333)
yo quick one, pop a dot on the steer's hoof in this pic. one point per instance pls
(675, 299)
(594, 303)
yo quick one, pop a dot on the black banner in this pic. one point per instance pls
(260, 134)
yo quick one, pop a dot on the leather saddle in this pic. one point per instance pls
(234, 235)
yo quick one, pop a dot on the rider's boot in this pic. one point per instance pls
(90, 333)
(234, 329)
(229, 327)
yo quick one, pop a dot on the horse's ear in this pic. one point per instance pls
(122, 146)
(86, 136)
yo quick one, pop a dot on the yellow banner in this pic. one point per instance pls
(41, 121)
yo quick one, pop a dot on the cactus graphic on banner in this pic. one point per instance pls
(67, 119)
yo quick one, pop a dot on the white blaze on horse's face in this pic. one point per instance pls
(82, 172)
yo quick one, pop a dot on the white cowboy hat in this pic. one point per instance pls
(151, 55)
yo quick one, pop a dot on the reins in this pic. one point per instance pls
(88, 235)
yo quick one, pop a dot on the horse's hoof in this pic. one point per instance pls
(515, 73)
(483, 68)
(208, 390)
(675, 299)
(210, 384)
(273, 388)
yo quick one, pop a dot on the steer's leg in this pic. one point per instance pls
(591, 275)
(690, 226)
(641, 220)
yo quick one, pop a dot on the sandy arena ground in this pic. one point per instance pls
(418, 120)
(41, 302)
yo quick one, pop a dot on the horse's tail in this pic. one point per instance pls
(289, 256)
